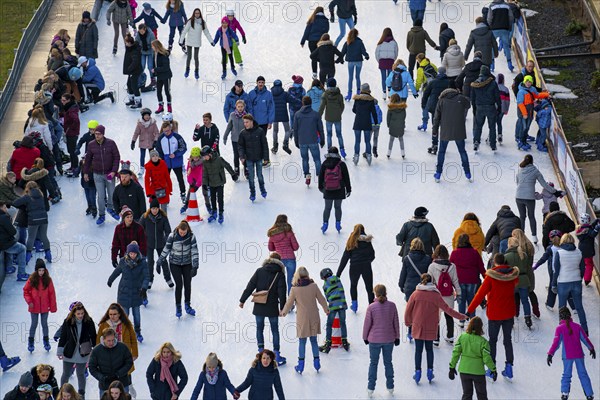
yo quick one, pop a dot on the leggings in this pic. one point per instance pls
(132, 85)
(34, 324)
(71, 147)
(68, 371)
(286, 137)
(449, 327)
(312, 46)
(123, 33)
(160, 84)
(39, 232)
(182, 275)
(327, 211)
(189, 57)
(412, 61)
(527, 209)
(236, 156)
(216, 197)
(224, 56)
(356, 271)
(419, 345)
(391, 144)
(179, 175)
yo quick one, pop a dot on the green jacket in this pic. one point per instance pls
(474, 353)
(332, 103)
(7, 193)
(396, 119)
(213, 173)
(524, 265)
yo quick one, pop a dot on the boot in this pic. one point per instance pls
(349, 96)
(46, 341)
(422, 127)
(187, 72)
(100, 220)
(153, 82)
(28, 256)
(111, 96)
(169, 108)
(224, 75)
(510, 66)
(286, 148)
(369, 159)
(160, 109)
(196, 74)
(130, 101)
(138, 103)
(499, 138)
(536, 310)
(326, 347)
(22, 277)
(189, 310)
(30, 345)
(417, 376)
(528, 321)
(475, 146)
(139, 337)
(300, 367)
(317, 363)
(355, 159)
(433, 150)
(114, 50)
(213, 216)
(274, 148)
(345, 344)
(338, 226)
(354, 306)
(565, 396)
(233, 71)
(94, 212)
(430, 374)
(279, 358)
(178, 310)
(375, 152)
(81, 391)
(221, 219)
(307, 180)
(7, 363)
(48, 255)
(324, 227)
(508, 372)
(343, 153)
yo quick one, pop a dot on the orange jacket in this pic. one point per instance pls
(526, 97)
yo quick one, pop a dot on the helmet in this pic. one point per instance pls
(554, 233)
(75, 74)
(230, 11)
(93, 124)
(167, 117)
(44, 388)
(196, 152)
(145, 111)
(326, 273)
(585, 218)
(206, 151)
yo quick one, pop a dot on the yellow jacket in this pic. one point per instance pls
(421, 79)
(476, 236)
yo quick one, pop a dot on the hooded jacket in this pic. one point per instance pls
(476, 237)
(23, 157)
(526, 179)
(162, 66)
(231, 99)
(453, 61)
(435, 270)
(176, 18)
(252, 144)
(386, 53)
(157, 229)
(469, 265)
(415, 40)
(71, 123)
(283, 242)
(44, 129)
(433, 90)
(262, 380)
(308, 127)
(558, 220)
(499, 287)
(396, 119)
(421, 228)
(213, 391)
(132, 61)
(157, 176)
(468, 75)
(92, 75)
(585, 235)
(483, 40)
(7, 191)
(261, 106)
(345, 8)
(135, 277)
(526, 278)
(407, 82)
(526, 99)
(280, 101)
(506, 221)
(147, 132)
(362, 255)
(271, 272)
(86, 40)
(543, 114)
(450, 113)
(485, 92)
(332, 104)
(570, 337)
(500, 16)
(474, 353)
(331, 160)
(213, 173)
(111, 363)
(149, 19)
(314, 30)
(354, 51)
(42, 298)
(409, 278)
(334, 293)
(34, 204)
(364, 108)
(325, 54)
(42, 178)
(444, 40)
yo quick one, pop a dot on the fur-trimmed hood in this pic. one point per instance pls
(33, 174)
(366, 96)
(365, 238)
(324, 43)
(274, 261)
(483, 83)
(397, 106)
(506, 273)
(449, 93)
(279, 229)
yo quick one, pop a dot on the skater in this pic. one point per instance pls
(315, 93)
(332, 104)
(267, 288)
(386, 54)
(528, 70)
(346, 13)
(571, 336)
(176, 15)
(451, 112)
(548, 257)
(23, 156)
(40, 297)
(9, 246)
(121, 19)
(281, 99)
(396, 122)
(77, 338)
(485, 98)
(483, 40)
(235, 125)
(543, 117)
(40, 175)
(324, 54)
(525, 102)
(207, 133)
(399, 81)
(426, 72)
(308, 128)
(213, 379)
(157, 181)
(336, 301)
(261, 106)
(353, 52)
(376, 125)
(182, 250)
(500, 19)
(423, 315)
(194, 171)
(226, 37)
(236, 93)
(446, 34)
(262, 377)
(44, 374)
(586, 232)
(417, 227)
(166, 375)
(125, 232)
(359, 251)
(24, 389)
(316, 26)
(506, 221)
(469, 266)
(254, 151)
(67, 391)
(192, 37)
(157, 228)
(498, 287)
(129, 193)
(213, 176)
(235, 26)
(86, 38)
(146, 130)
(381, 331)
(415, 43)
(453, 60)
(171, 147)
(474, 353)
(32, 202)
(429, 101)
(144, 38)
(283, 241)
(505, 100)
(305, 293)
(133, 68)
(555, 219)
(334, 183)
(111, 361)
(116, 391)
(517, 256)
(162, 73)
(365, 112)
(89, 190)
(117, 318)
(150, 17)
(93, 82)
(295, 94)
(469, 74)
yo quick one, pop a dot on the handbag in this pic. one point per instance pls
(85, 348)
(160, 193)
(260, 296)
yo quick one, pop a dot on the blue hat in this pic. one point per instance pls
(133, 247)
(147, 6)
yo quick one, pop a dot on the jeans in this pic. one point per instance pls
(386, 350)
(441, 155)
(367, 136)
(468, 381)
(527, 209)
(467, 292)
(252, 166)
(343, 22)
(428, 345)
(494, 327)
(483, 113)
(384, 75)
(18, 249)
(338, 132)
(80, 371)
(573, 289)
(504, 36)
(540, 140)
(105, 189)
(287, 133)
(352, 67)
(172, 33)
(290, 268)
(522, 128)
(260, 327)
(565, 381)
(424, 115)
(148, 59)
(524, 295)
(90, 196)
(503, 246)
(337, 204)
(417, 15)
(34, 323)
(316, 156)
(137, 319)
(342, 316)
(313, 345)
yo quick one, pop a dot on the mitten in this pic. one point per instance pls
(115, 263)
(356, 21)
(397, 342)
(244, 39)
(494, 375)
(132, 145)
(348, 194)
(158, 264)
(452, 373)
(549, 360)
(143, 294)
(366, 341)
(593, 353)
(108, 22)
(332, 19)
(194, 271)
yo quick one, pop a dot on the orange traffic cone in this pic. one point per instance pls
(193, 214)
(336, 333)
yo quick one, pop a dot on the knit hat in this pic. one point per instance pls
(297, 79)
(125, 211)
(154, 152)
(154, 202)
(44, 388)
(331, 82)
(100, 129)
(125, 168)
(528, 78)
(225, 19)
(585, 218)
(441, 70)
(553, 206)
(27, 142)
(260, 78)
(86, 15)
(333, 150)
(39, 264)
(93, 124)
(277, 82)
(421, 212)
(195, 152)
(147, 6)
(483, 71)
(26, 380)
(239, 83)
(81, 60)
(212, 361)
(365, 88)
(133, 247)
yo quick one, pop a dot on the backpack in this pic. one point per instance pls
(333, 177)
(397, 82)
(444, 283)
(430, 72)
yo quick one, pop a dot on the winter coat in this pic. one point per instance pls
(526, 99)
(314, 30)
(500, 16)
(444, 40)
(362, 255)
(354, 51)
(147, 40)
(160, 390)
(571, 336)
(213, 174)
(283, 242)
(192, 36)
(125, 334)
(526, 178)
(171, 144)
(474, 353)
(407, 82)
(162, 66)
(543, 115)
(476, 237)
(42, 178)
(195, 172)
(120, 11)
(332, 104)
(315, 93)
(229, 35)
(364, 108)
(181, 250)
(132, 61)
(252, 144)
(7, 191)
(331, 160)
(260, 105)
(230, 100)
(415, 40)
(295, 94)
(208, 136)
(176, 18)
(22, 157)
(325, 54)
(526, 278)
(483, 40)
(123, 236)
(422, 312)
(7, 231)
(50, 381)
(558, 220)
(345, 8)
(469, 265)
(92, 76)
(234, 126)
(422, 78)
(71, 120)
(86, 40)
(16, 394)
(568, 265)
(485, 92)
(506, 221)
(453, 61)
(135, 278)
(34, 204)
(432, 92)
(435, 270)
(261, 381)
(147, 132)
(280, 102)
(468, 75)
(498, 287)
(216, 391)
(271, 272)
(519, 80)
(381, 324)
(305, 295)
(386, 53)
(409, 279)
(101, 158)
(44, 129)
(149, 19)
(450, 113)
(156, 176)
(396, 119)
(43, 299)
(235, 26)
(131, 195)
(69, 346)
(111, 363)
(308, 127)
(421, 228)
(334, 293)
(157, 229)
(504, 98)
(585, 235)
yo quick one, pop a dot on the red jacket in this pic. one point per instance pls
(23, 158)
(125, 235)
(44, 300)
(469, 265)
(285, 244)
(157, 177)
(71, 121)
(499, 286)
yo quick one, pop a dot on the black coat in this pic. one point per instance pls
(417, 228)
(51, 380)
(16, 394)
(162, 67)
(261, 280)
(86, 40)
(132, 61)
(68, 336)
(7, 231)
(433, 91)
(207, 136)
(35, 207)
(42, 178)
(364, 108)
(132, 196)
(252, 144)
(261, 382)
(503, 226)
(556, 220)
(445, 37)
(160, 390)
(363, 255)
(157, 230)
(485, 92)
(409, 279)
(281, 100)
(110, 364)
(330, 162)
(316, 29)
(450, 114)
(325, 54)
(468, 75)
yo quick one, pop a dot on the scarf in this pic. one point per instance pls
(238, 114)
(212, 377)
(225, 40)
(118, 327)
(304, 282)
(146, 124)
(144, 41)
(165, 373)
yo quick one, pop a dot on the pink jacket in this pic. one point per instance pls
(381, 323)
(194, 174)
(571, 341)
(285, 244)
(235, 26)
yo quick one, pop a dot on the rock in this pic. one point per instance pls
(554, 88)
(529, 13)
(550, 72)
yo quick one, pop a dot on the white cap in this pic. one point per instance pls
(230, 11)
(81, 60)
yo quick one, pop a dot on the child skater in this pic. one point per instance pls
(336, 300)
(586, 233)
(40, 297)
(396, 122)
(235, 26)
(226, 37)
(213, 176)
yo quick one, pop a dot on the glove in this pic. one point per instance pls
(108, 22)
(244, 39)
(109, 284)
(158, 264)
(494, 375)
(322, 145)
(549, 360)
(332, 19)
(416, 95)
(593, 353)
(452, 373)
(397, 342)
(348, 194)
(367, 58)
(236, 395)
(115, 264)
(194, 271)
(554, 290)
(356, 22)
(132, 145)
(559, 193)
(143, 294)
(366, 341)
(154, 144)
(110, 379)
(56, 338)
(224, 141)
(235, 177)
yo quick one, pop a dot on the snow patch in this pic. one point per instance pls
(550, 72)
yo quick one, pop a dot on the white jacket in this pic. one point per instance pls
(43, 129)
(387, 50)
(193, 36)
(454, 61)
(435, 270)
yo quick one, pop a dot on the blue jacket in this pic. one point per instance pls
(149, 19)
(231, 36)
(230, 100)
(177, 18)
(160, 390)
(544, 114)
(417, 4)
(261, 106)
(213, 392)
(355, 50)
(315, 94)
(334, 292)
(407, 80)
(296, 92)
(135, 277)
(280, 99)
(261, 380)
(379, 115)
(308, 127)
(314, 31)
(92, 75)
(176, 146)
